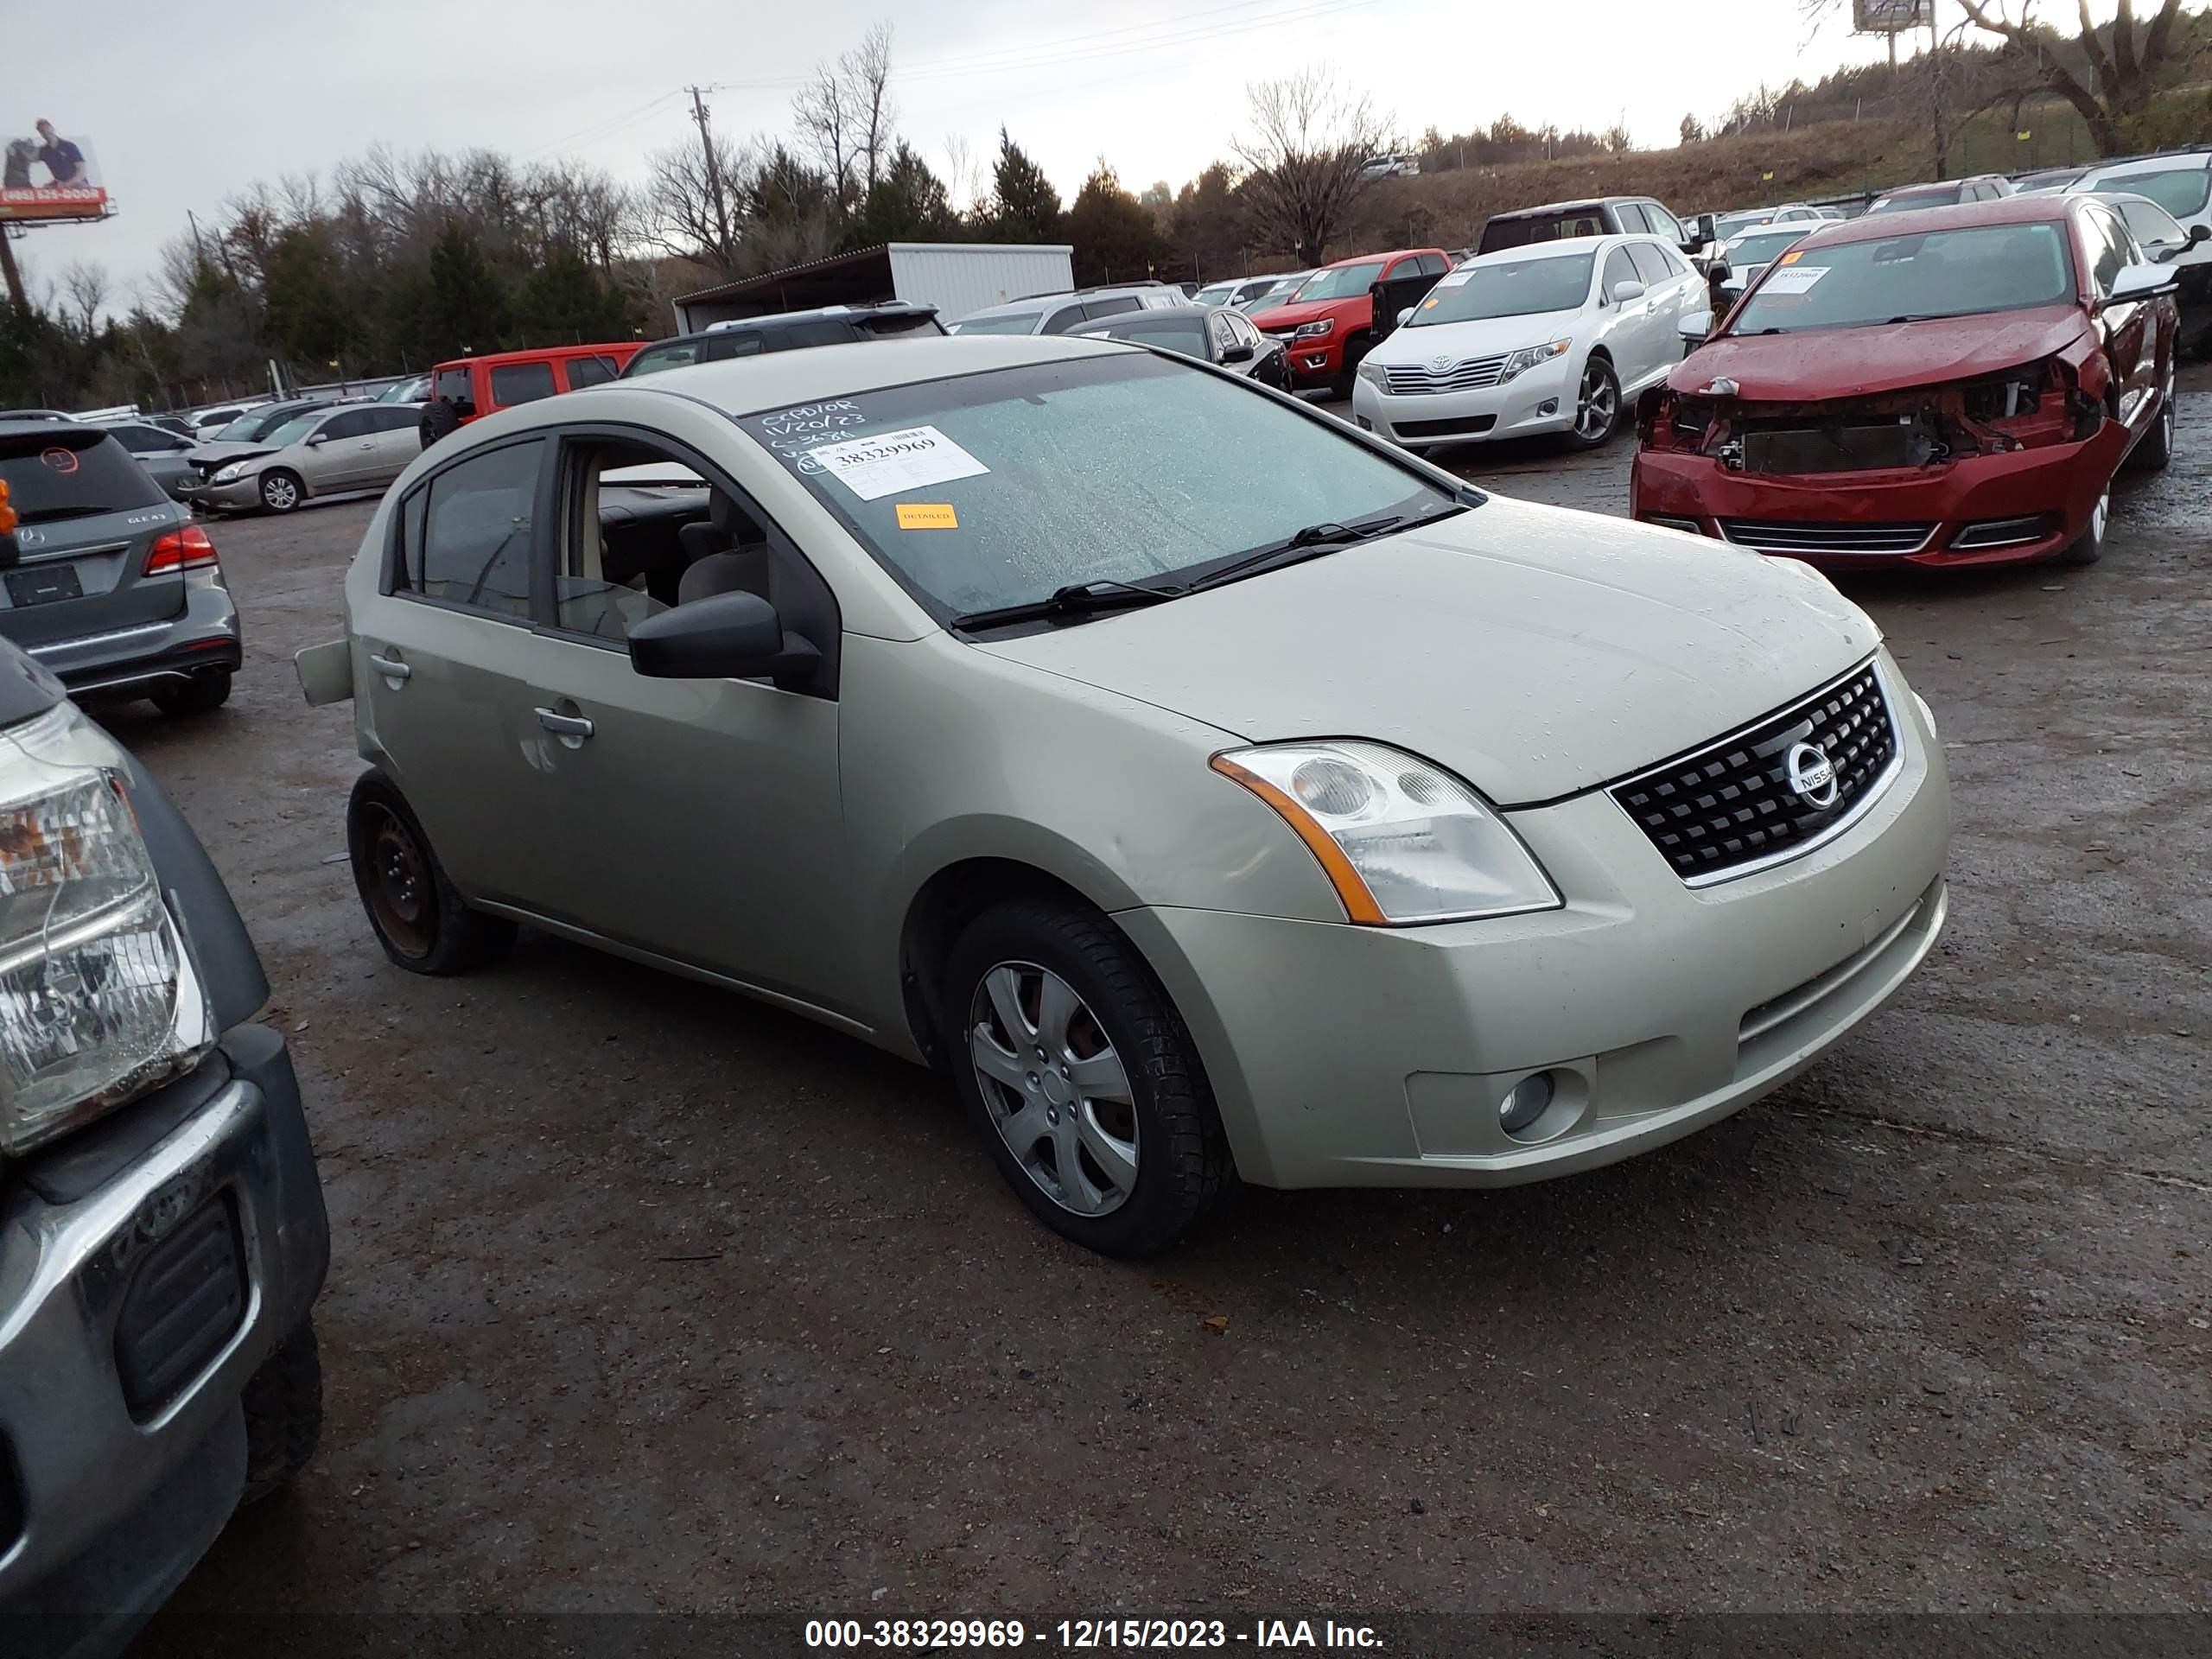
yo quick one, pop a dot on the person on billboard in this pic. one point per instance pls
(21, 152)
(63, 159)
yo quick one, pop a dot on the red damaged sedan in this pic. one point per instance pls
(1948, 386)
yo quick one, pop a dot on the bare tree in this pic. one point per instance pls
(1305, 158)
(86, 286)
(2123, 77)
(964, 179)
(845, 117)
(677, 212)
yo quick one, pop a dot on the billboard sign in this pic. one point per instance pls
(49, 175)
(1890, 16)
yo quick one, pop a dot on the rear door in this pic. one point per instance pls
(443, 651)
(395, 439)
(87, 516)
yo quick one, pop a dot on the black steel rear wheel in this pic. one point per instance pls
(420, 920)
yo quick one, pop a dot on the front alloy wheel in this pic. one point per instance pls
(1057, 1093)
(280, 492)
(1597, 404)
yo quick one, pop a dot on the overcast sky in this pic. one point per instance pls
(185, 106)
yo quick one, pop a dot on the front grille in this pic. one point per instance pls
(1416, 379)
(186, 1297)
(1718, 810)
(1794, 536)
(1471, 426)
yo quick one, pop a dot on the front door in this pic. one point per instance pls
(697, 819)
(344, 456)
(2130, 326)
(442, 651)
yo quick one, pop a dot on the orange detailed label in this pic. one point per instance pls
(927, 515)
(1791, 258)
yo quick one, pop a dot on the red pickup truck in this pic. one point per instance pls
(1327, 326)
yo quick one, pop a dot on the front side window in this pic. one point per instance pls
(2153, 225)
(473, 547)
(1664, 223)
(667, 354)
(727, 343)
(998, 488)
(2107, 248)
(521, 382)
(1115, 306)
(1507, 288)
(1340, 282)
(1630, 216)
(293, 431)
(2182, 191)
(1620, 269)
(1184, 335)
(1956, 273)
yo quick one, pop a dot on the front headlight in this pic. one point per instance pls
(1529, 356)
(228, 475)
(1400, 839)
(1315, 330)
(1373, 372)
(98, 1001)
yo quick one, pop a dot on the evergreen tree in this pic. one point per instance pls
(908, 204)
(1025, 207)
(1115, 239)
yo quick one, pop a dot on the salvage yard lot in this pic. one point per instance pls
(645, 1297)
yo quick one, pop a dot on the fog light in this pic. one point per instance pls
(1526, 1102)
(1550, 406)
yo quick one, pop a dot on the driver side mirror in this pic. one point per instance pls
(1624, 292)
(2198, 233)
(1405, 315)
(316, 440)
(2139, 283)
(733, 636)
(1694, 326)
(1705, 228)
(1240, 352)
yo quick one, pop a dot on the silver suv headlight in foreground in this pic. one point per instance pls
(1400, 839)
(98, 1000)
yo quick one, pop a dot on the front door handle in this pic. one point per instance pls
(391, 667)
(564, 725)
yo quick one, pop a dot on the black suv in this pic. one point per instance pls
(831, 325)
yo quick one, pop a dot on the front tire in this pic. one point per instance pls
(1082, 1080)
(205, 692)
(2089, 546)
(418, 918)
(1596, 406)
(281, 492)
(1348, 369)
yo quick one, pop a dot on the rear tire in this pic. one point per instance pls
(1122, 1037)
(2089, 546)
(2156, 453)
(284, 1414)
(281, 492)
(205, 692)
(420, 920)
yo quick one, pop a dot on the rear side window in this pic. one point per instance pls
(1650, 264)
(1065, 319)
(391, 420)
(143, 440)
(521, 382)
(72, 475)
(727, 343)
(1541, 228)
(1110, 307)
(589, 372)
(469, 531)
(824, 331)
(354, 423)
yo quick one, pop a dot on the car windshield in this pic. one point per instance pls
(1764, 247)
(1729, 224)
(69, 473)
(1904, 278)
(293, 431)
(1001, 489)
(252, 429)
(1216, 295)
(1341, 282)
(1009, 322)
(1937, 195)
(2182, 191)
(1184, 335)
(1508, 288)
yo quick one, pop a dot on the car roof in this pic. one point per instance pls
(2041, 208)
(1576, 204)
(1060, 297)
(1560, 247)
(813, 313)
(2171, 162)
(1150, 313)
(741, 385)
(499, 359)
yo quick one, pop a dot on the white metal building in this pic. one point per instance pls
(957, 277)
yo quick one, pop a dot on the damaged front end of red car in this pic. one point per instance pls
(1994, 468)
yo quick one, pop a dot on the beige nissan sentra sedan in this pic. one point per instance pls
(1212, 790)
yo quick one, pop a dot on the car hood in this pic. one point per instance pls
(220, 455)
(1289, 317)
(1534, 651)
(1823, 363)
(1477, 337)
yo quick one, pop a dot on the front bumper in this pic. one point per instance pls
(1315, 361)
(1538, 400)
(104, 1505)
(2062, 480)
(1344, 1056)
(239, 495)
(202, 636)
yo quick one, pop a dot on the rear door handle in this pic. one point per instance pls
(391, 667)
(564, 725)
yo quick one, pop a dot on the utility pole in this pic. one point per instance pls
(15, 277)
(713, 173)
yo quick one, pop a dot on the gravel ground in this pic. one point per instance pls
(645, 1297)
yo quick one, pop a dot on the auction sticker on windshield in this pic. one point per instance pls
(889, 462)
(1794, 279)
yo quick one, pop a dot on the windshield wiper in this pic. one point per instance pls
(1076, 599)
(1315, 540)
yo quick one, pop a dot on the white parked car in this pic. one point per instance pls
(1552, 337)
(1392, 167)
(2181, 184)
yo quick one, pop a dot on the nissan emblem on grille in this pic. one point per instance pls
(1769, 790)
(1811, 775)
